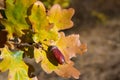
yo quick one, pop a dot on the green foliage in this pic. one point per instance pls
(49, 3)
(12, 60)
(16, 14)
(43, 27)
(30, 30)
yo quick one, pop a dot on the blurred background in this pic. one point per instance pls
(98, 24)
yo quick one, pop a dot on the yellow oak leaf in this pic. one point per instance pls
(60, 18)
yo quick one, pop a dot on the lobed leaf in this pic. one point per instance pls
(60, 18)
(16, 13)
(45, 32)
(38, 17)
(48, 62)
(67, 71)
(12, 61)
(40, 24)
(69, 46)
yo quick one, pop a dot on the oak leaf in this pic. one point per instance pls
(16, 13)
(40, 24)
(12, 61)
(69, 46)
(60, 18)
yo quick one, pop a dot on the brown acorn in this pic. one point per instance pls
(57, 54)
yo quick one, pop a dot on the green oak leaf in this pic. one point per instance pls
(40, 24)
(60, 18)
(16, 13)
(12, 61)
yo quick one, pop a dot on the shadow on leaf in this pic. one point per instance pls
(3, 39)
(52, 58)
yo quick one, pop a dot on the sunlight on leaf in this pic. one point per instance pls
(40, 24)
(68, 71)
(12, 61)
(39, 32)
(61, 18)
(38, 17)
(70, 46)
(48, 62)
(38, 54)
(16, 13)
(4, 64)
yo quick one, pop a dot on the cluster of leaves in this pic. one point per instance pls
(29, 32)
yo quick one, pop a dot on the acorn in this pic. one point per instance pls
(57, 54)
